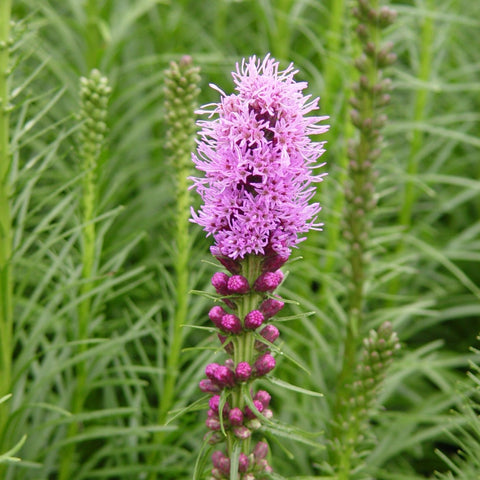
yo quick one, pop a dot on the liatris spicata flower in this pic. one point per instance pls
(258, 162)
(260, 168)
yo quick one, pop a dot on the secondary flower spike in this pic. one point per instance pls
(259, 163)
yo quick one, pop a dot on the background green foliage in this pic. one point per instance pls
(424, 270)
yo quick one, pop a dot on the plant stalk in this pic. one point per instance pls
(6, 289)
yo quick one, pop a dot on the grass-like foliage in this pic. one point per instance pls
(102, 344)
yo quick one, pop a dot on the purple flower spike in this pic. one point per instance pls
(216, 314)
(271, 306)
(253, 319)
(238, 284)
(258, 163)
(236, 417)
(264, 364)
(220, 282)
(231, 323)
(268, 281)
(243, 371)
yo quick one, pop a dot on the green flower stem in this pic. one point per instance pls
(182, 258)
(94, 93)
(6, 292)
(181, 92)
(83, 314)
(244, 345)
(368, 100)
(93, 35)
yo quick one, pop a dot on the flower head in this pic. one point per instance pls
(258, 162)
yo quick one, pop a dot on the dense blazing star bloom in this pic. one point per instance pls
(259, 163)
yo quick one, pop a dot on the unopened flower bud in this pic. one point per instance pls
(267, 413)
(222, 462)
(253, 319)
(216, 314)
(236, 417)
(264, 364)
(274, 262)
(213, 423)
(231, 265)
(268, 281)
(220, 282)
(270, 307)
(231, 323)
(254, 424)
(211, 369)
(243, 371)
(249, 413)
(263, 397)
(242, 432)
(224, 376)
(264, 466)
(260, 451)
(243, 463)
(238, 284)
(207, 386)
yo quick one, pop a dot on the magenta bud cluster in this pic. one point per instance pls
(235, 323)
(248, 465)
(241, 422)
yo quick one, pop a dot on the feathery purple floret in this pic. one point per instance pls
(259, 163)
